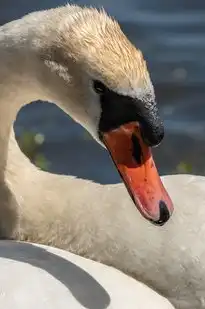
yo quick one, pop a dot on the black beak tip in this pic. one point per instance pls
(164, 214)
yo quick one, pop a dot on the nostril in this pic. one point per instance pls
(137, 151)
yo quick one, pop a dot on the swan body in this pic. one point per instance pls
(35, 276)
(43, 56)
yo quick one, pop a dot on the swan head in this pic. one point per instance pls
(103, 84)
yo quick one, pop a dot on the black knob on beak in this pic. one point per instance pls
(152, 127)
(152, 134)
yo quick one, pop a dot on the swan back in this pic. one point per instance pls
(34, 276)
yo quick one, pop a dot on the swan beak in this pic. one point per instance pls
(135, 164)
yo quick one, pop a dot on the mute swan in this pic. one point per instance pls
(99, 222)
(108, 113)
(48, 278)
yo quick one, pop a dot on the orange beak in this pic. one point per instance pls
(135, 164)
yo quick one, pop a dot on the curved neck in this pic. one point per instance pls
(23, 77)
(15, 91)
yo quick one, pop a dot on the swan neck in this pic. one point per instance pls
(17, 88)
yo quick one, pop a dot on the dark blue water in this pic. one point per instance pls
(171, 35)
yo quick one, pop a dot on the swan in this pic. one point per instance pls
(72, 56)
(57, 279)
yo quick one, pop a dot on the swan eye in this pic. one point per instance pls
(99, 87)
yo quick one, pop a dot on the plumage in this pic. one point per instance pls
(54, 55)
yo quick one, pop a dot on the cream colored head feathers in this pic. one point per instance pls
(85, 44)
(66, 49)
(97, 42)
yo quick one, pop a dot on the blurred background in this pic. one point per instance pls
(171, 35)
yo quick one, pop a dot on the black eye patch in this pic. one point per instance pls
(118, 109)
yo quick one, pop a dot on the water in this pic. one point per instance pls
(171, 35)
